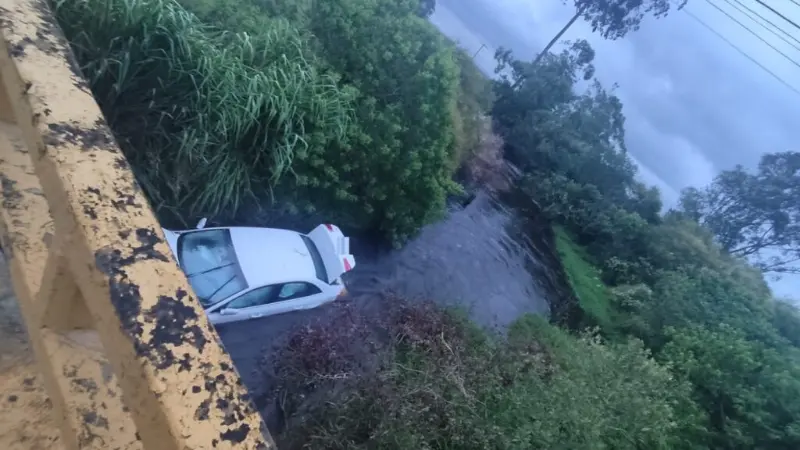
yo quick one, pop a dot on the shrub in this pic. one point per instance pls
(395, 170)
(442, 384)
(208, 119)
(748, 389)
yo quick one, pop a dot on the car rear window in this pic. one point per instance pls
(210, 263)
(319, 266)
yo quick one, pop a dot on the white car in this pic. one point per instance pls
(241, 273)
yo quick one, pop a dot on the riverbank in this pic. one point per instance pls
(417, 376)
(493, 259)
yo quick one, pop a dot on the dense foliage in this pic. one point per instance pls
(677, 282)
(433, 381)
(227, 115)
(351, 103)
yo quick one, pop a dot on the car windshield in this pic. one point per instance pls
(319, 266)
(210, 263)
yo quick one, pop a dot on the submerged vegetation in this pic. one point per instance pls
(362, 110)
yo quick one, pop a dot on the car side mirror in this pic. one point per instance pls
(228, 312)
(202, 223)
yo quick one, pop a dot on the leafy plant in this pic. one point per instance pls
(208, 119)
(396, 168)
(445, 384)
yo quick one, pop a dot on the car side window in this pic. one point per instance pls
(256, 297)
(294, 290)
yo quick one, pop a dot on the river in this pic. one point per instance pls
(492, 258)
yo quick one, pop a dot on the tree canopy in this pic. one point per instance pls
(754, 215)
(613, 19)
(678, 282)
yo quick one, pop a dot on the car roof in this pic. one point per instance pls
(270, 255)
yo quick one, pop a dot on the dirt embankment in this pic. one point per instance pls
(485, 167)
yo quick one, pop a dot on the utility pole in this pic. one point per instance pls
(557, 36)
(483, 46)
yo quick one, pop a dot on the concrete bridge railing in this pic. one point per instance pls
(126, 353)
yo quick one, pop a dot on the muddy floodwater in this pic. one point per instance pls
(480, 258)
(489, 258)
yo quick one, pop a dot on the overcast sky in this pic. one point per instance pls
(694, 104)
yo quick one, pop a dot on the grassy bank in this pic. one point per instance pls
(419, 377)
(585, 280)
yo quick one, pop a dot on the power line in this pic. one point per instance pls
(741, 7)
(753, 32)
(742, 52)
(778, 13)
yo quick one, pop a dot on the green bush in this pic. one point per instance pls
(396, 168)
(404, 71)
(208, 119)
(444, 384)
(749, 389)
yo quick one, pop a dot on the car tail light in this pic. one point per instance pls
(329, 227)
(347, 266)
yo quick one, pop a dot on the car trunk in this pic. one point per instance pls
(334, 248)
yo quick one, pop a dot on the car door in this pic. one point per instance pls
(297, 295)
(248, 305)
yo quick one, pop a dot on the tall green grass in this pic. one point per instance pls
(586, 282)
(208, 119)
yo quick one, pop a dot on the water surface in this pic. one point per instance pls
(490, 257)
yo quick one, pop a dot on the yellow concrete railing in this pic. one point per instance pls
(127, 356)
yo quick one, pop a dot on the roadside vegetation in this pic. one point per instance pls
(362, 110)
(419, 377)
(354, 104)
(677, 282)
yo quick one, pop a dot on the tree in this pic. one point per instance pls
(747, 388)
(613, 18)
(526, 91)
(400, 165)
(426, 7)
(754, 215)
(549, 127)
(645, 201)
